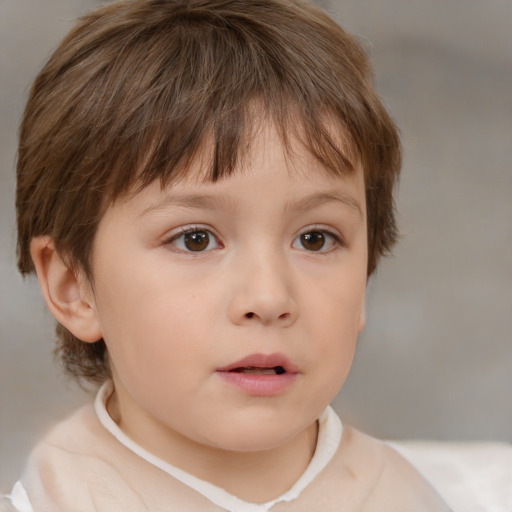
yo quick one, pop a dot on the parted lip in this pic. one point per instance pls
(262, 361)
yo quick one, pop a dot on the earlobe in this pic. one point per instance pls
(68, 297)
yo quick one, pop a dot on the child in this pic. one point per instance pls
(204, 187)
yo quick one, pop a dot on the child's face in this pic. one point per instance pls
(266, 268)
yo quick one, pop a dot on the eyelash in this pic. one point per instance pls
(190, 230)
(336, 241)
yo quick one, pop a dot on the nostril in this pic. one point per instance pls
(249, 315)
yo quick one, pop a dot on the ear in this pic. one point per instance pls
(68, 296)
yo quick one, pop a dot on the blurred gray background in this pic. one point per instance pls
(435, 360)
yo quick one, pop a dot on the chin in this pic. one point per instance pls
(254, 443)
(256, 435)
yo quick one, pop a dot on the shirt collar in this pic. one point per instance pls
(330, 430)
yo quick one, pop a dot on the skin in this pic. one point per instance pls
(171, 317)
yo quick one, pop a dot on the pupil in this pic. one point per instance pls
(313, 241)
(197, 240)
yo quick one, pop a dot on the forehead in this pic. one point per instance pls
(277, 171)
(263, 141)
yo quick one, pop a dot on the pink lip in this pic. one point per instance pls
(262, 361)
(260, 384)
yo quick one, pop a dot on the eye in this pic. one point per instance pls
(317, 241)
(194, 240)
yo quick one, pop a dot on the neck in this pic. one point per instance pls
(260, 476)
(253, 476)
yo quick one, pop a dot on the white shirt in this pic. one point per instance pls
(471, 477)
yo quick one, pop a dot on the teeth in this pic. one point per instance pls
(278, 370)
(261, 371)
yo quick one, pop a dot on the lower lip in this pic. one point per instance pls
(259, 385)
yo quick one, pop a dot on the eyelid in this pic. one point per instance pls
(339, 240)
(177, 233)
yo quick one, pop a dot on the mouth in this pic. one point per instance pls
(251, 370)
(260, 374)
(264, 364)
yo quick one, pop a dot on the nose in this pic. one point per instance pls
(263, 293)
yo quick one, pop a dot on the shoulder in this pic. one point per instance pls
(66, 463)
(81, 466)
(475, 476)
(6, 505)
(75, 436)
(52, 463)
(387, 481)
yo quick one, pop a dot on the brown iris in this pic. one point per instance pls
(313, 241)
(196, 240)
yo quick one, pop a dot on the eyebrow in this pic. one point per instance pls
(318, 199)
(197, 201)
(213, 202)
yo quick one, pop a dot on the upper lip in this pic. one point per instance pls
(262, 361)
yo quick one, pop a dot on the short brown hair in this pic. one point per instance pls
(138, 86)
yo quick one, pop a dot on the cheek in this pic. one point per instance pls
(149, 327)
(334, 319)
(336, 306)
(336, 341)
